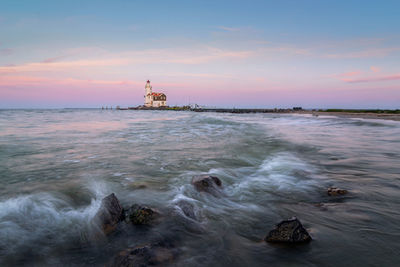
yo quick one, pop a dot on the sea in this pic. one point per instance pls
(57, 165)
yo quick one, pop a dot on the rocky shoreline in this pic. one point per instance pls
(111, 215)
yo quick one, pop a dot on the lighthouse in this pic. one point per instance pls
(148, 95)
(154, 100)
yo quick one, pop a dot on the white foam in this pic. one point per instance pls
(280, 172)
(41, 217)
(72, 161)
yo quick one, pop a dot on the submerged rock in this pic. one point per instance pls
(188, 209)
(144, 256)
(140, 215)
(288, 231)
(334, 191)
(206, 183)
(109, 214)
(138, 185)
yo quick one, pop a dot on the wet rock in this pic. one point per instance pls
(144, 256)
(140, 215)
(206, 183)
(188, 209)
(109, 214)
(288, 231)
(334, 191)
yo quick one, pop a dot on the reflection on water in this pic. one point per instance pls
(57, 165)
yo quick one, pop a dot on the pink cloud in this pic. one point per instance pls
(368, 53)
(51, 65)
(350, 74)
(375, 69)
(69, 91)
(229, 29)
(53, 59)
(374, 79)
(44, 81)
(346, 75)
(192, 56)
(212, 55)
(351, 77)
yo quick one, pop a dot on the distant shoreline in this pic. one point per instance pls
(357, 115)
(363, 114)
(342, 113)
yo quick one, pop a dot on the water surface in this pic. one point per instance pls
(57, 165)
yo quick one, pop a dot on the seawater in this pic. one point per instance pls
(57, 165)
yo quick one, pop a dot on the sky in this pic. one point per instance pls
(256, 54)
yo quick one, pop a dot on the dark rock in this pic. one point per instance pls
(144, 256)
(206, 183)
(140, 215)
(288, 231)
(109, 214)
(188, 209)
(334, 191)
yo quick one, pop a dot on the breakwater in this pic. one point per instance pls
(218, 110)
(242, 110)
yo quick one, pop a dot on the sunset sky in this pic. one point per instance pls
(314, 54)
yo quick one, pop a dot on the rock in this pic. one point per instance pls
(206, 183)
(288, 231)
(140, 215)
(333, 191)
(109, 214)
(187, 209)
(144, 256)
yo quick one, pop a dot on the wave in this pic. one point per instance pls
(46, 220)
(282, 172)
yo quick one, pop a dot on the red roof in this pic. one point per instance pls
(157, 94)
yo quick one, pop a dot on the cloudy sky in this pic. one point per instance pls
(315, 54)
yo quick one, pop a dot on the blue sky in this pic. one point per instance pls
(216, 53)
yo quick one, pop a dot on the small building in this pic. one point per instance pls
(152, 99)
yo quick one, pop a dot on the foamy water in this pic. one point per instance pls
(57, 165)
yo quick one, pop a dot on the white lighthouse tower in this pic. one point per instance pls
(148, 98)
